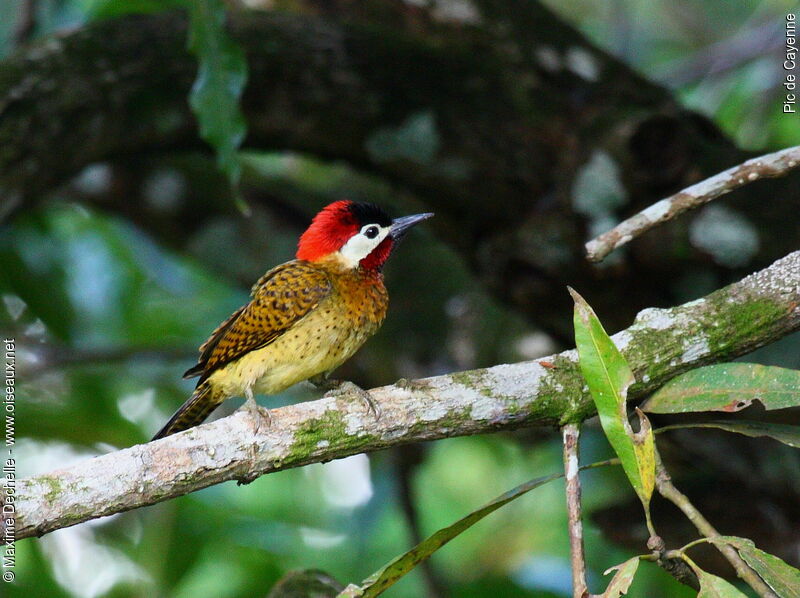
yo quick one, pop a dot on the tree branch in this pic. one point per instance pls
(680, 500)
(660, 344)
(771, 165)
(570, 435)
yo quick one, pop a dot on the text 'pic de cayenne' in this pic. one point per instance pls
(305, 317)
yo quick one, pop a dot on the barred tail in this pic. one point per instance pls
(193, 412)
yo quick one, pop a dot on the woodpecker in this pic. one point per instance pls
(305, 317)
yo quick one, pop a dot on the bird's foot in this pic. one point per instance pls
(344, 387)
(257, 413)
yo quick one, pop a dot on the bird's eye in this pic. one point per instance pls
(371, 232)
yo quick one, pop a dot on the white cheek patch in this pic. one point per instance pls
(360, 246)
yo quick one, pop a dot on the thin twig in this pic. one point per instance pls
(670, 561)
(770, 165)
(680, 500)
(571, 434)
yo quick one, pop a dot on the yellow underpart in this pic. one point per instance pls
(319, 343)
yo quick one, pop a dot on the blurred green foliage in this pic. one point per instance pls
(723, 58)
(106, 321)
(220, 82)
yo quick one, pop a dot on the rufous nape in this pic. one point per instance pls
(305, 318)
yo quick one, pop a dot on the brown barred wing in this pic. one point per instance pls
(280, 299)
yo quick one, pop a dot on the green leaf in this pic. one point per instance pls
(644, 445)
(727, 387)
(712, 586)
(389, 574)
(622, 579)
(609, 377)
(780, 576)
(781, 432)
(221, 78)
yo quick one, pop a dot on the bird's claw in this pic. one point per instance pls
(343, 387)
(257, 413)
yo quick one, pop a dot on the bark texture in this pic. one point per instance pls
(660, 344)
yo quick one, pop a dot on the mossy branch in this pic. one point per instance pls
(659, 345)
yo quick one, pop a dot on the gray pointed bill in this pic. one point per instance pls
(400, 226)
